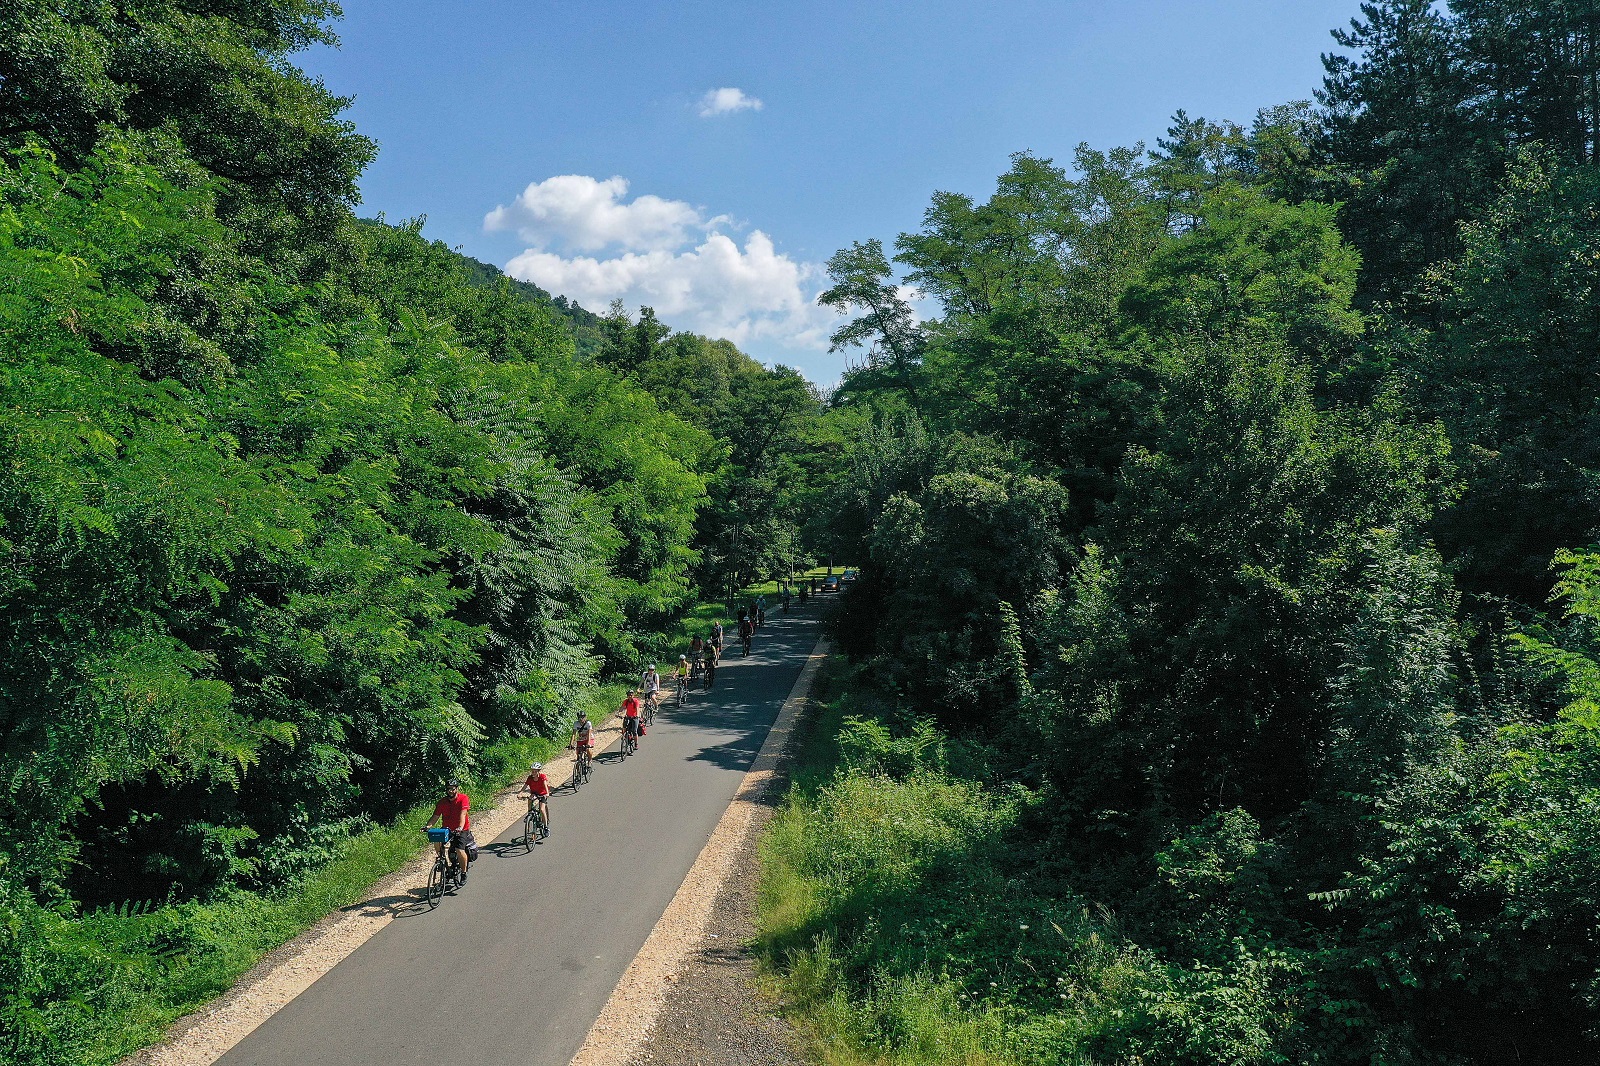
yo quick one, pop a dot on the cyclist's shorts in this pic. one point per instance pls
(630, 726)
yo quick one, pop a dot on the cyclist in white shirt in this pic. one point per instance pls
(650, 686)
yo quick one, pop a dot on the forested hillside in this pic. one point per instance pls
(299, 514)
(1225, 659)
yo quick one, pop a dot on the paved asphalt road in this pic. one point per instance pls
(515, 968)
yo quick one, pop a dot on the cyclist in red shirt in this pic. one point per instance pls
(631, 726)
(537, 787)
(451, 812)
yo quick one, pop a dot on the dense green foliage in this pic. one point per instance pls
(773, 449)
(1211, 532)
(1226, 680)
(300, 514)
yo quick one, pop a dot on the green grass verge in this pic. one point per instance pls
(895, 924)
(772, 586)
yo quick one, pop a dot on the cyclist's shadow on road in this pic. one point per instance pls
(510, 849)
(399, 905)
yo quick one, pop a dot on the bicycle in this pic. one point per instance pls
(652, 703)
(442, 874)
(746, 642)
(682, 685)
(580, 768)
(630, 743)
(533, 824)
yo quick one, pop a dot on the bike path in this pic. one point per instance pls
(514, 969)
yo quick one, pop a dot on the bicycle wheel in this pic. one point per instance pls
(435, 891)
(577, 773)
(530, 826)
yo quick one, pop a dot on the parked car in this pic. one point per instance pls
(831, 583)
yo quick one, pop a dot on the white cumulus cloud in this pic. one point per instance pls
(715, 287)
(588, 214)
(590, 243)
(726, 101)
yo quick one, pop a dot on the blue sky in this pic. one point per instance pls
(725, 210)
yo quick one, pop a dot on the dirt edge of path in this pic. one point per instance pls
(203, 1037)
(630, 1017)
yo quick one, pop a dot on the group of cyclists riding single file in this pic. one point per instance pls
(450, 828)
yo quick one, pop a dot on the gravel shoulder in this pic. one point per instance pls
(715, 1012)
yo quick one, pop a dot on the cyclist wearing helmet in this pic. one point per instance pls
(537, 787)
(451, 812)
(630, 715)
(583, 735)
(650, 690)
(681, 674)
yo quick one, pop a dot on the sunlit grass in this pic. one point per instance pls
(891, 927)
